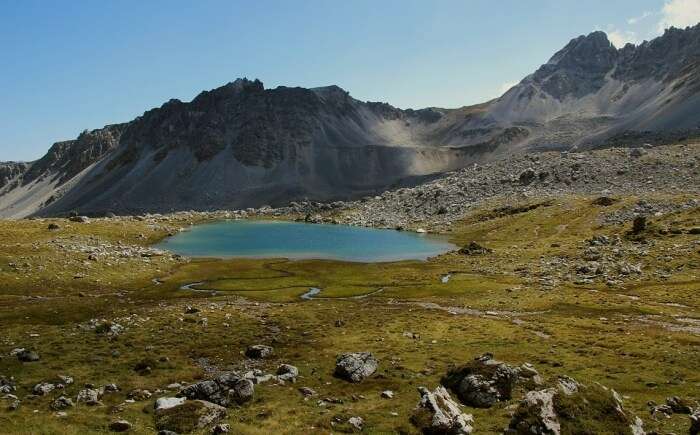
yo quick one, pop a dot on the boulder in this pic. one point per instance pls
(168, 402)
(356, 423)
(61, 403)
(28, 356)
(242, 391)
(437, 414)
(189, 416)
(258, 351)
(355, 367)
(89, 396)
(120, 426)
(678, 405)
(224, 390)
(287, 372)
(43, 388)
(7, 385)
(482, 382)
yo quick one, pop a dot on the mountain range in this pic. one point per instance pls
(242, 145)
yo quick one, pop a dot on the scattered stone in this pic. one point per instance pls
(678, 405)
(438, 414)
(62, 403)
(120, 426)
(80, 219)
(474, 248)
(139, 395)
(387, 394)
(43, 388)
(89, 396)
(307, 391)
(287, 372)
(356, 423)
(258, 351)
(28, 356)
(355, 367)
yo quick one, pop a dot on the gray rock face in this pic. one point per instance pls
(355, 367)
(438, 414)
(482, 382)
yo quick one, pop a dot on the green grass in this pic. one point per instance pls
(590, 332)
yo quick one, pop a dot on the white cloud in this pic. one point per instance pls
(505, 87)
(621, 37)
(635, 20)
(679, 13)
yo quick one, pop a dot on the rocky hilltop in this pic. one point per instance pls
(242, 145)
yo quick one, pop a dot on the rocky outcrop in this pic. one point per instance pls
(438, 414)
(571, 407)
(482, 382)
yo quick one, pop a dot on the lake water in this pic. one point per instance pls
(266, 239)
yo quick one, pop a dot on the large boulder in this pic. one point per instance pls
(189, 416)
(355, 367)
(438, 414)
(571, 407)
(482, 382)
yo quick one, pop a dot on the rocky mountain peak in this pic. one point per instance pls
(593, 52)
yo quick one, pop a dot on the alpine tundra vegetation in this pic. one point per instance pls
(535, 267)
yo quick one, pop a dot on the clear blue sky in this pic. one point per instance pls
(73, 65)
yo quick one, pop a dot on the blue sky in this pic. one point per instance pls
(74, 65)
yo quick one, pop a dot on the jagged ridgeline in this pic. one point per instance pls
(242, 145)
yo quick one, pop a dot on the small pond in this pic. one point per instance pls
(296, 240)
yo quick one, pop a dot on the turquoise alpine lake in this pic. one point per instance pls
(296, 240)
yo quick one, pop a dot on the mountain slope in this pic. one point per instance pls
(242, 145)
